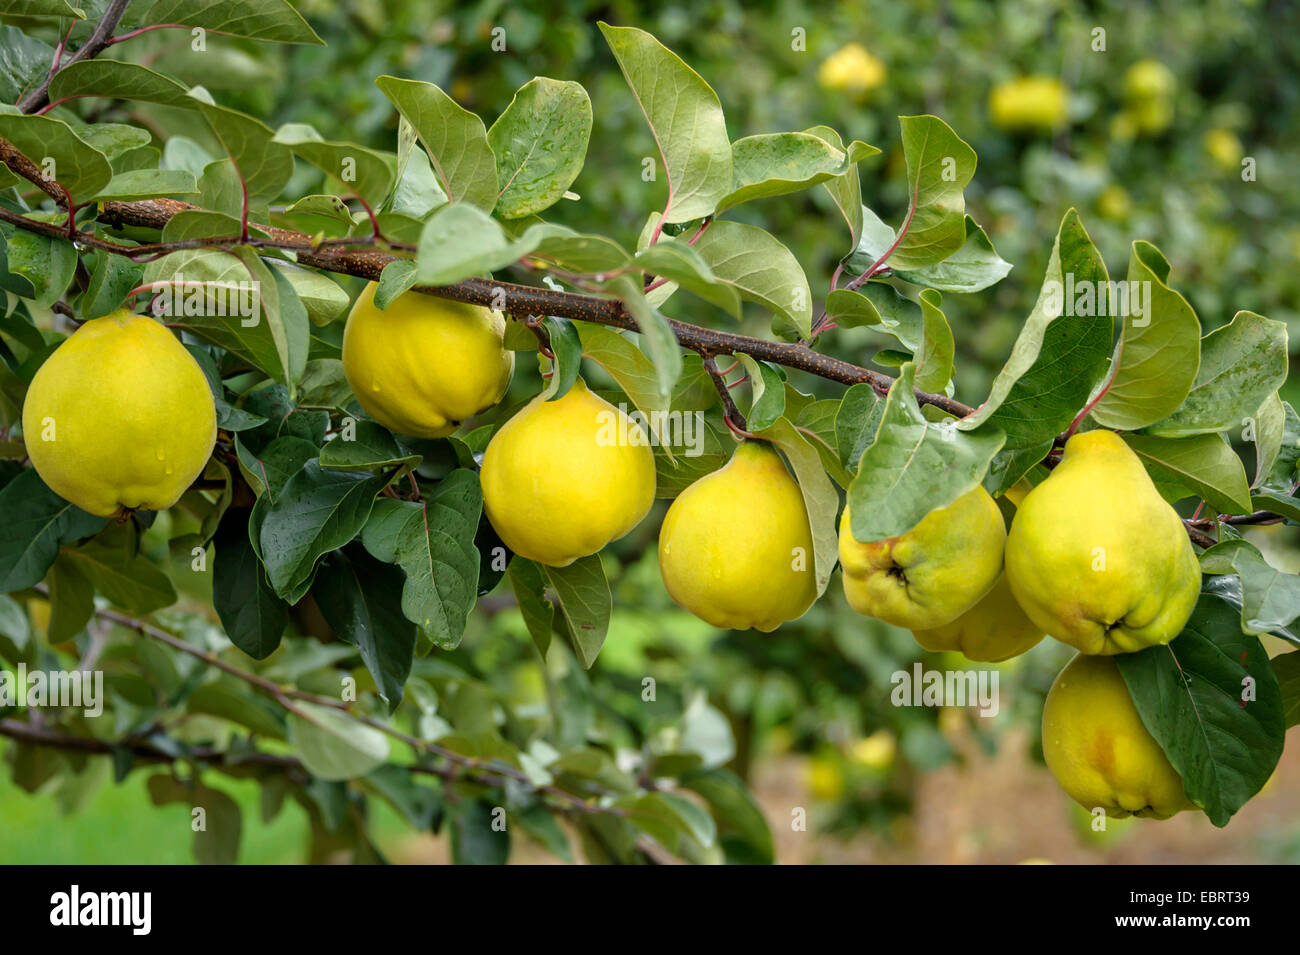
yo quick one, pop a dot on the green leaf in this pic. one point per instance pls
(540, 143)
(541, 826)
(857, 422)
(585, 604)
(111, 280)
(1268, 428)
(269, 470)
(43, 8)
(34, 521)
(72, 600)
(363, 172)
(48, 264)
(1242, 363)
(685, 118)
(129, 580)
(743, 832)
(566, 346)
(940, 165)
(680, 263)
(454, 138)
(1270, 598)
(773, 164)
(113, 79)
(914, 466)
(61, 154)
(760, 269)
(324, 300)
(1056, 362)
(631, 369)
(263, 338)
(475, 840)
(24, 61)
(272, 21)
(767, 384)
(657, 338)
(460, 241)
(934, 357)
(433, 542)
(845, 190)
(1204, 463)
(253, 615)
(360, 598)
(264, 165)
(528, 582)
(317, 512)
(667, 816)
(1191, 697)
(1286, 667)
(577, 252)
(148, 184)
(335, 746)
(1057, 358)
(1159, 350)
(367, 447)
(820, 498)
(706, 732)
(972, 268)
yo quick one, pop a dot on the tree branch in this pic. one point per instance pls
(369, 263)
(99, 39)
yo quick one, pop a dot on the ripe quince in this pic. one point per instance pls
(736, 549)
(1029, 103)
(1096, 557)
(993, 630)
(1098, 749)
(932, 574)
(851, 69)
(423, 365)
(563, 478)
(120, 416)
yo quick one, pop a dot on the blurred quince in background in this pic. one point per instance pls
(851, 69)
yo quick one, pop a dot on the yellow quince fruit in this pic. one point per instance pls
(120, 417)
(1096, 557)
(1098, 749)
(993, 630)
(563, 478)
(1149, 79)
(1029, 103)
(851, 69)
(735, 548)
(1114, 203)
(1224, 148)
(423, 365)
(932, 574)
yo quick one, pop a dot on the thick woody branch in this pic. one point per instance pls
(531, 300)
(520, 300)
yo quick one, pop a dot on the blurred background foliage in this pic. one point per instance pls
(1144, 135)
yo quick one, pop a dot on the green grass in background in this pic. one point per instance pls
(119, 825)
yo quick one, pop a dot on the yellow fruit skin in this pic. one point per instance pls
(727, 547)
(932, 574)
(1149, 79)
(993, 630)
(1097, 558)
(851, 69)
(133, 417)
(423, 365)
(1099, 751)
(1029, 103)
(558, 485)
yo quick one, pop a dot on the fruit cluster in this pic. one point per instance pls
(1094, 556)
